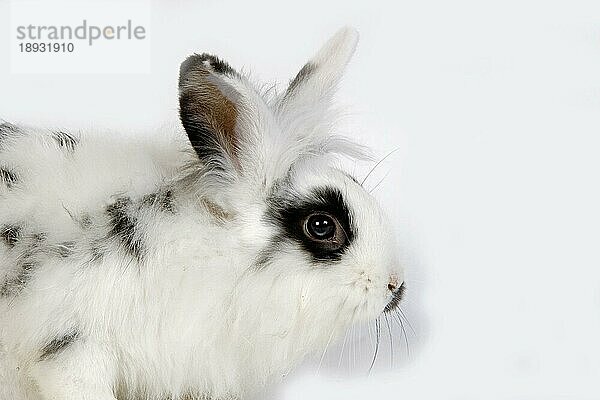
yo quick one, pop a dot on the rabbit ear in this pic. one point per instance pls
(208, 108)
(227, 122)
(316, 82)
(241, 134)
(305, 111)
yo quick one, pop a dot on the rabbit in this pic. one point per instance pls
(201, 264)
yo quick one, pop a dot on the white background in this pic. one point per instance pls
(115, 55)
(494, 108)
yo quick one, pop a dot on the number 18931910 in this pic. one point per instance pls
(46, 47)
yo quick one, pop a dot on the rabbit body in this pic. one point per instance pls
(149, 268)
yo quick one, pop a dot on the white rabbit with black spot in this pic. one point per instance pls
(196, 265)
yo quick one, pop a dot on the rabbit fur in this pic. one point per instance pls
(179, 266)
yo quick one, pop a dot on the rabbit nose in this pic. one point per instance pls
(393, 284)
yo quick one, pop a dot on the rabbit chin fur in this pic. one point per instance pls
(149, 268)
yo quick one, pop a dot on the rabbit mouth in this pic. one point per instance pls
(396, 298)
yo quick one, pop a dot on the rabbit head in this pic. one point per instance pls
(322, 250)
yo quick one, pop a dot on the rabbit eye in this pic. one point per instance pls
(319, 223)
(326, 231)
(320, 227)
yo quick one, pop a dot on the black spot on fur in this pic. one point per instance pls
(65, 140)
(31, 246)
(123, 226)
(161, 200)
(8, 177)
(16, 284)
(10, 234)
(289, 213)
(150, 199)
(398, 294)
(58, 345)
(7, 129)
(166, 202)
(302, 75)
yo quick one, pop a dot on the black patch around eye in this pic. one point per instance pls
(290, 215)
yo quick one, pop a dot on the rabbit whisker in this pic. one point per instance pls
(378, 336)
(335, 321)
(389, 329)
(407, 320)
(380, 181)
(399, 319)
(377, 164)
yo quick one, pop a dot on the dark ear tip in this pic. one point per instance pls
(192, 63)
(206, 62)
